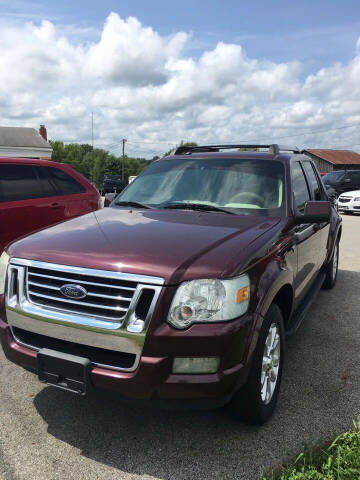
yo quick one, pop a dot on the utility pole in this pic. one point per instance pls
(92, 130)
(123, 158)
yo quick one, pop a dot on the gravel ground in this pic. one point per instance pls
(48, 434)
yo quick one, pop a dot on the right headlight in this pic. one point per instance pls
(4, 261)
(209, 300)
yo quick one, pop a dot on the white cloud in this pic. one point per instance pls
(142, 86)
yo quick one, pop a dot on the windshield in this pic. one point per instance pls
(243, 186)
(332, 177)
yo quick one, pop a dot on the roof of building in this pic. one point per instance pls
(22, 137)
(337, 157)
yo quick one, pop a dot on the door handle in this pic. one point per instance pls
(55, 205)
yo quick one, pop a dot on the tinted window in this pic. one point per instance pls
(253, 187)
(333, 177)
(300, 188)
(314, 184)
(47, 187)
(355, 178)
(19, 182)
(64, 183)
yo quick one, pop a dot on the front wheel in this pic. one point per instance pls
(256, 401)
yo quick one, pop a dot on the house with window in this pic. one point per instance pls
(329, 160)
(21, 142)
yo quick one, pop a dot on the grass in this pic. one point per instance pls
(339, 460)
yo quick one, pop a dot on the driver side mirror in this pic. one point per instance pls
(315, 212)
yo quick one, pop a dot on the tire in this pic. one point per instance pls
(331, 269)
(250, 404)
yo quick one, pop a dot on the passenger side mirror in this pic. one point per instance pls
(315, 212)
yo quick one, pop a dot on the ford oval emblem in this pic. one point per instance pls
(71, 290)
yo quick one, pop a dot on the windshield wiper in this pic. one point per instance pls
(197, 206)
(123, 203)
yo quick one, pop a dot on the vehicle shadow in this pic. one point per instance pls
(319, 398)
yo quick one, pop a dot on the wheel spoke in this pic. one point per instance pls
(270, 363)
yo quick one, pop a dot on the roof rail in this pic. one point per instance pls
(273, 148)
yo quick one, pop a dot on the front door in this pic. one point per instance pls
(306, 238)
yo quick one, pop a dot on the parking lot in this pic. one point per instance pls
(46, 433)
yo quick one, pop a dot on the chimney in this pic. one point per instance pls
(43, 132)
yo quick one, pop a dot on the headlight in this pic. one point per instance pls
(357, 199)
(4, 260)
(211, 300)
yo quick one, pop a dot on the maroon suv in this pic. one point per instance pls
(182, 292)
(38, 193)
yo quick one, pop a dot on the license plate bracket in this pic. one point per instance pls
(64, 371)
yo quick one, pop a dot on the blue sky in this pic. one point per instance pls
(315, 32)
(198, 70)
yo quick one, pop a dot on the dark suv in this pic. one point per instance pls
(112, 184)
(184, 290)
(343, 180)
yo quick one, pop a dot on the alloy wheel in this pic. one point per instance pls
(270, 363)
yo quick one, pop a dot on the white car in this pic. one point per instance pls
(349, 202)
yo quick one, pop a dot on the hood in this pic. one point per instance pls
(354, 193)
(174, 245)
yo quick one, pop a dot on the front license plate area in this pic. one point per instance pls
(64, 371)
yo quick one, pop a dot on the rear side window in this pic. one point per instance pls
(314, 184)
(300, 188)
(333, 178)
(354, 178)
(19, 182)
(62, 182)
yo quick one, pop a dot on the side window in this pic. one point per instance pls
(48, 188)
(64, 183)
(19, 182)
(355, 179)
(314, 184)
(300, 188)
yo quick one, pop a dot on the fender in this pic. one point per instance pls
(278, 273)
(335, 232)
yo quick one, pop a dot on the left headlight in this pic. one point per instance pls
(4, 261)
(209, 300)
(357, 199)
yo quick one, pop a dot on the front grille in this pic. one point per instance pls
(344, 199)
(107, 298)
(97, 356)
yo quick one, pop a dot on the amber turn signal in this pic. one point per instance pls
(242, 294)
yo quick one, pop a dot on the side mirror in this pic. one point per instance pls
(109, 197)
(315, 212)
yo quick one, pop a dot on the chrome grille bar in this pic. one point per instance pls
(91, 294)
(77, 302)
(72, 280)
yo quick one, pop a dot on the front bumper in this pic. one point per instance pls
(351, 206)
(153, 378)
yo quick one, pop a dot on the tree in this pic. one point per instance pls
(182, 144)
(95, 163)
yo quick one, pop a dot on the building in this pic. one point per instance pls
(24, 142)
(329, 160)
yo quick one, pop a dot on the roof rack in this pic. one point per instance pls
(273, 148)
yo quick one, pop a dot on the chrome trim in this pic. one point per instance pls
(61, 336)
(89, 294)
(126, 334)
(90, 271)
(82, 281)
(67, 300)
